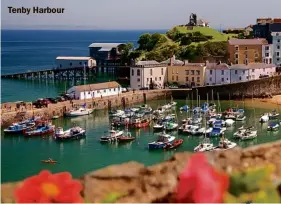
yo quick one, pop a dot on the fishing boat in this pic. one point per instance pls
(49, 161)
(216, 132)
(126, 137)
(225, 144)
(169, 126)
(18, 128)
(158, 126)
(142, 123)
(230, 116)
(240, 117)
(41, 130)
(234, 111)
(204, 146)
(79, 112)
(273, 127)
(229, 122)
(112, 136)
(189, 128)
(219, 123)
(245, 133)
(173, 145)
(72, 133)
(117, 113)
(273, 115)
(161, 142)
(264, 118)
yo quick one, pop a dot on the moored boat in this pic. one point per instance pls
(79, 112)
(49, 161)
(175, 144)
(264, 118)
(112, 136)
(204, 146)
(225, 144)
(240, 117)
(142, 123)
(16, 128)
(273, 115)
(72, 133)
(169, 126)
(273, 127)
(229, 122)
(41, 130)
(161, 142)
(216, 132)
(126, 137)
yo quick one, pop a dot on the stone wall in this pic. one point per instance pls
(26, 110)
(157, 183)
(257, 88)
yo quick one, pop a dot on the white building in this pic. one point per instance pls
(267, 54)
(243, 72)
(276, 44)
(216, 74)
(147, 73)
(95, 90)
(74, 62)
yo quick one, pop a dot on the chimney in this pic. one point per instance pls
(206, 62)
(172, 60)
(185, 62)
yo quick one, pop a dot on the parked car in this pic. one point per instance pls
(52, 100)
(60, 99)
(144, 88)
(40, 103)
(67, 96)
(124, 90)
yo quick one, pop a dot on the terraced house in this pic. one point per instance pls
(276, 45)
(244, 51)
(190, 74)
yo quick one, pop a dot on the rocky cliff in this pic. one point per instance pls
(137, 183)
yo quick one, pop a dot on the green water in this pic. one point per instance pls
(21, 157)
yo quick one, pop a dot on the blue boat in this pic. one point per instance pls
(205, 108)
(219, 124)
(273, 127)
(161, 142)
(184, 108)
(216, 132)
(41, 130)
(18, 128)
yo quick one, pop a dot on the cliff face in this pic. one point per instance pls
(138, 183)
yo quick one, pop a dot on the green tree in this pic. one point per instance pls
(144, 41)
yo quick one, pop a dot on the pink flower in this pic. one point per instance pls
(200, 182)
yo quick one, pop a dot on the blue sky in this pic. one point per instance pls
(137, 14)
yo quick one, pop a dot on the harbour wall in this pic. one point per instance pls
(156, 184)
(260, 88)
(17, 111)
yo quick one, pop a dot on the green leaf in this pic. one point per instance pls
(112, 197)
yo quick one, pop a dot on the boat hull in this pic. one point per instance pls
(39, 133)
(71, 137)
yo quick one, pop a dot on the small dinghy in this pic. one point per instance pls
(173, 145)
(49, 161)
(240, 118)
(273, 127)
(127, 137)
(72, 133)
(264, 118)
(112, 136)
(225, 144)
(204, 146)
(273, 115)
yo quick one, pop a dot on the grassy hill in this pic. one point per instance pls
(217, 36)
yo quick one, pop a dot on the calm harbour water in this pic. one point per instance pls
(35, 50)
(21, 156)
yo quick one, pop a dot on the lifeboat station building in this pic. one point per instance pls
(74, 62)
(95, 90)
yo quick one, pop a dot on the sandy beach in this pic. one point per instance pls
(274, 102)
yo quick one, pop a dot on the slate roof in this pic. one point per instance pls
(105, 46)
(275, 27)
(257, 41)
(176, 62)
(91, 87)
(217, 66)
(149, 62)
(252, 66)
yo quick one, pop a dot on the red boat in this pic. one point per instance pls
(175, 144)
(142, 123)
(41, 130)
(126, 139)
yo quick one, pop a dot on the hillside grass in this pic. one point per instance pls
(217, 36)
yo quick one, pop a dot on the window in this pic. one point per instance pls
(278, 47)
(159, 78)
(155, 78)
(236, 55)
(267, 54)
(150, 72)
(60, 65)
(70, 64)
(246, 56)
(266, 47)
(173, 78)
(211, 72)
(222, 72)
(173, 71)
(133, 72)
(138, 72)
(243, 71)
(104, 91)
(278, 40)
(177, 78)
(186, 79)
(222, 79)
(235, 71)
(236, 48)
(147, 79)
(236, 61)
(210, 79)
(277, 54)
(246, 48)
(80, 63)
(226, 79)
(162, 71)
(187, 72)
(240, 78)
(198, 79)
(253, 70)
(198, 72)
(192, 72)
(192, 78)
(263, 69)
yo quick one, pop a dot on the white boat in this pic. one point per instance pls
(79, 112)
(162, 141)
(118, 113)
(229, 122)
(201, 131)
(186, 120)
(225, 144)
(240, 117)
(196, 120)
(55, 117)
(204, 146)
(158, 126)
(112, 136)
(245, 133)
(264, 118)
(169, 117)
(72, 133)
(135, 109)
(172, 103)
(159, 111)
(273, 115)
(230, 116)
(189, 128)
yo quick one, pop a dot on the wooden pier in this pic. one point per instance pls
(70, 73)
